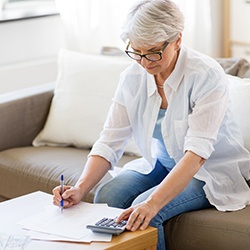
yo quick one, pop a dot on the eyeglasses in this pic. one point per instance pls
(152, 56)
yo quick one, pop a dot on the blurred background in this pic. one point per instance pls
(32, 32)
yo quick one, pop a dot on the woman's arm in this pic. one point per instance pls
(170, 187)
(111, 144)
(96, 167)
(177, 179)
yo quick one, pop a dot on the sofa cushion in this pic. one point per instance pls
(235, 66)
(28, 169)
(83, 95)
(209, 229)
(240, 95)
(19, 110)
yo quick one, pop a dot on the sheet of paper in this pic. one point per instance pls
(87, 239)
(72, 222)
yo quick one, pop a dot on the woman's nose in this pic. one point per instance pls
(144, 62)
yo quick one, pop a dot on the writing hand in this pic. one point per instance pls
(71, 196)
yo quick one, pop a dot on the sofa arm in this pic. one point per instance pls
(23, 114)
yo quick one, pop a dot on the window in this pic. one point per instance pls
(23, 9)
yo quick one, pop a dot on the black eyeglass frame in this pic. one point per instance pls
(145, 55)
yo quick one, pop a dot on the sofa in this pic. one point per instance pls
(49, 129)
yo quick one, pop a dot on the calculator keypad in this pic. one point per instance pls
(107, 222)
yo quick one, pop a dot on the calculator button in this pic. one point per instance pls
(100, 221)
(106, 222)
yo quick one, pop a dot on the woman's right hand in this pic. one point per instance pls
(71, 196)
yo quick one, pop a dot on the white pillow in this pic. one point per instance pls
(240, 95)
(83, 95)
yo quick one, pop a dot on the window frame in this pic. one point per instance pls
(14, 10)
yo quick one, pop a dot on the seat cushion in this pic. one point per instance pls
(209, 229)
(28, 169)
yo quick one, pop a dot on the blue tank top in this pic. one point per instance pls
(159, 149)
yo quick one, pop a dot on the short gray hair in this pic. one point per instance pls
(153, 21)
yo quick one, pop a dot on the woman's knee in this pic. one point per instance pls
(114, 194)
(106, 194)
(121, 190)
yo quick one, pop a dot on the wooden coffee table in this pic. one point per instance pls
(21, 207)
(139, 240)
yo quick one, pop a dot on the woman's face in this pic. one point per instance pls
(169, 57)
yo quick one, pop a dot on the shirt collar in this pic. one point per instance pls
(175, 78)
(151, 84)
(177, 74)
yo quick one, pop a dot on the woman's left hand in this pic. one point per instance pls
(138, 216)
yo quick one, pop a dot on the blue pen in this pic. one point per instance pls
(61, 192)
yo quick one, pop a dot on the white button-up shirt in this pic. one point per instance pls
(198, 118)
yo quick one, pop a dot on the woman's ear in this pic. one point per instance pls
(178, 42)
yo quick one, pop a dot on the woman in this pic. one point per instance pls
(174, 102)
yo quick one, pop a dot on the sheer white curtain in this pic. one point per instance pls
(203, 25)
(92, 24)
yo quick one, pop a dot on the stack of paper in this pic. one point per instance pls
(69, 225)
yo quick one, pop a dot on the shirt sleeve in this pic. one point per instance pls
(209, 100)
(114, 136)
(117, 130)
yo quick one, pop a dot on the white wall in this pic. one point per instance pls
(29, 48)
(28, 52)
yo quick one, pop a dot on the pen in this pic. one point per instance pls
(61, 192)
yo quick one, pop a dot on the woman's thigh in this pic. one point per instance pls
(127, 185)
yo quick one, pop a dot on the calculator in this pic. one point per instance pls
(108, 225)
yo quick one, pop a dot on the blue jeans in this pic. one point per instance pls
(130, 188)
